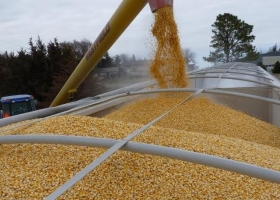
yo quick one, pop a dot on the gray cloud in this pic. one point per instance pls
(71, 19)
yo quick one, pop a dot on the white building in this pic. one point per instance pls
(269, 59)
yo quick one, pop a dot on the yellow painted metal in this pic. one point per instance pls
(120, 20)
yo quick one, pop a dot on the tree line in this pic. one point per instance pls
(43, 69)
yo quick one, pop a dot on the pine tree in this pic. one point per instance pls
(232, 40)
(276, 68)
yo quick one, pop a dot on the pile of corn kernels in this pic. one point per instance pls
(199, 115)
(34, 171)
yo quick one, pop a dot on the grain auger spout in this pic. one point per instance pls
(156, 4)
(120, 20)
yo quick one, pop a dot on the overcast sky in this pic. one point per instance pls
(69, 20)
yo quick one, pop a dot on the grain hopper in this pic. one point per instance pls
(147, 142)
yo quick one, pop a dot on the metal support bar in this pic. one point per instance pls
(236, 78)
(230, 71)
(220, 77)
(120, 20)
(210, 91)
(109, 152)
(246, 69)
(70, 107)
(179, 154)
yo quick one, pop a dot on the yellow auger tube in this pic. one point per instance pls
(120, 20)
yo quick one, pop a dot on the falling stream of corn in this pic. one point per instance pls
(34, 171)
(168, 66)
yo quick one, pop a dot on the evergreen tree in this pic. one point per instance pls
(18, 73)
(276, 68)
(40, 73)
(65, 65)
(21, 73)
(4, 74)
(54, 56)
(106, 61)
(232, 40)
(43, 70)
